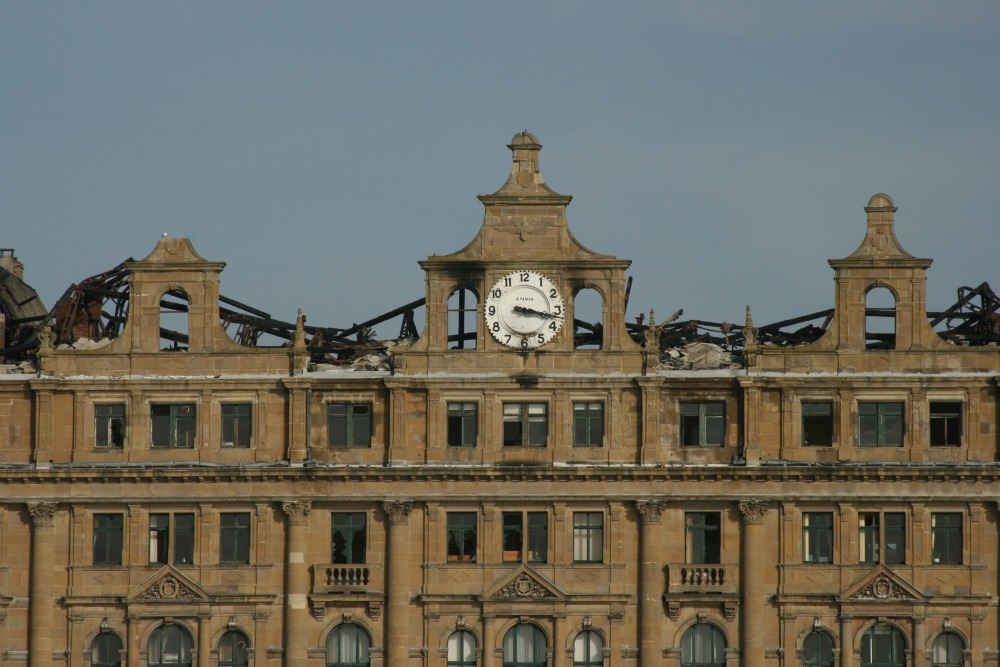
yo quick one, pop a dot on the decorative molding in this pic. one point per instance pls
(42, 514)
(753, 511)
(522, 587)
(397, 511)
(882, 588)
(375, 609)
(673, 610)
(650, 510)
(729, 608)
(168, 588)
(297, 511)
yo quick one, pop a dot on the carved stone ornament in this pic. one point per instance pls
(673, 610)
(523, 587)
(882, 588)
(168, 588)
(753, 511)
(650, 510)
(729, 610)
(42, 514)
(397, 511)
(296, 511)
(375, 609)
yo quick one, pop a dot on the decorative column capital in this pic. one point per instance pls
(42, 514)
(397, 511)
(753, 511)
(650, 510)
(297, 511)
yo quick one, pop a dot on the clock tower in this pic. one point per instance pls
(506, 300)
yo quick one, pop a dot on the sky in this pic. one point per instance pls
(321, 149)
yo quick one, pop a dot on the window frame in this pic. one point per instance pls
(458, 646)
(353, 532)
(229, 643)
(692, 645)
(812, 417)
(234, 538)
(588, 424)
(351, 438)
(180, 427)
(876, 410)
(462, 417)
(588, 537)
(822, 654)
(466, 522)
(108, 540)
(527, 529)
(105, 436)
(874, 539)
(583, 647)
(362, 649)
(952, 536)
(172, 538)
(524, 414)
(101, 648)
(897, 644)
(160, 636)
(947, 649)
(240, 425)
(950, 422)
(703, 423)
(814, 546)
(538, 642)
(698, 547)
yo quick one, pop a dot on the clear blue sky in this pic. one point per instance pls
(322, 148)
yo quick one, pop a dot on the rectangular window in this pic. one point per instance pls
(349, 424)
(588, 537)
(463, 424)
(236, 424)
(704, 537)
(877, 531)
(817, 423)
(462, 537)
(160, 543)
(588, 424)
(525, 424)
(514, 546)
(348, 539)
(946, 423)
(109, 426)
(880, 423)
(946, 538)
(703, 424)
(173, 425)
(109, 533)
(234, 537)
(817, 537)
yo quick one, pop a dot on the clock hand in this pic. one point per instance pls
(532, 311)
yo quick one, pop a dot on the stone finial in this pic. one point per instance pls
(880, 237)
(749, 330)
(45, 338)
(299, 337)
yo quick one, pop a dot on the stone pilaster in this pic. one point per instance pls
(40, 620)
(846, 641)
(752, 582)
(397, 514)
(296, 582)
(132, 642)
(651, 584)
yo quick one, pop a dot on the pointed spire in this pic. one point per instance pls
(749, 330)
(299, 338)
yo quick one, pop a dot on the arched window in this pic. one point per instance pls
(949, 650)
(106, 650)
(817, 650)
(462, 319)
(524, 646)
(174, 322)
(703, 646)
(169, 646)
(588, 320)
(348, 646)
(462, 649)
(233, 650)
(880, 319)
(588, 650)
(883, 646)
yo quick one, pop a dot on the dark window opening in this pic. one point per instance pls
(349, 424)
(462, 536)
(236, 424)
(108, 538)
(704, 537)
(349, 538)
(173, 425)
(109, 426)
(463, 424)
(946, 423)
(703, 424)
(588, 424)
(462, 319)
(234, 538)
(525, 424)
(817, 423)
(532, 547)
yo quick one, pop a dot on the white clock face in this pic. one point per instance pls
(524, 310)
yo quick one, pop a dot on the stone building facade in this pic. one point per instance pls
(505, 498)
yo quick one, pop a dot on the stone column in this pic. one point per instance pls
(296, 582)
(40, 621)
(753, 558)
(846, 641)
(204, 640)
(558, 640)
(489, 641)
(919, 641)
(651, 585)
(132, 642)
(397, 513)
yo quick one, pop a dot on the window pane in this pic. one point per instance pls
(512, 536)
(159, 538)
(183, 539)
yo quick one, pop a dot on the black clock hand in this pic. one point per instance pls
(532, 311)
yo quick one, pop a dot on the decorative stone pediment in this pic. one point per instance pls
(524, 584)
(168, 585)
(882, 584)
